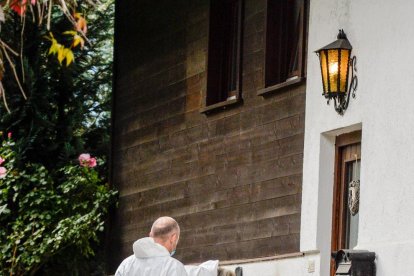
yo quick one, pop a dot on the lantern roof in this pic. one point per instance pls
(341, 43)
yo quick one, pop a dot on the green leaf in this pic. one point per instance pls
(4, 210)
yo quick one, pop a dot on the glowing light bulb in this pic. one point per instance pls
(333, 68)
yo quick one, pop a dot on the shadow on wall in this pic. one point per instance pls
(150, 50)
(153, 92)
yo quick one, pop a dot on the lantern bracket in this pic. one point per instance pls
(341, 102)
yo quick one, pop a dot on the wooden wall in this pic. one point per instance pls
(231, 179)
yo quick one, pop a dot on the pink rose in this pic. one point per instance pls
(92, 162)
(1, 160)
(9, 135)
(3, 172)
(84, 159)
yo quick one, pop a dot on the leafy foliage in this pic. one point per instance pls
(65, 110)
(42, 217)
(41, 13)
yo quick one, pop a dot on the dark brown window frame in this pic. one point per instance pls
(338, 219)
(223, 104)
(301, 72)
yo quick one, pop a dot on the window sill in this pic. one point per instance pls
(220, 106)
(281, 86)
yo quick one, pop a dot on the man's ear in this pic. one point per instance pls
(174, 237)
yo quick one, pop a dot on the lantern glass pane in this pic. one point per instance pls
(324, 69)
(333, 69)
(345, 54)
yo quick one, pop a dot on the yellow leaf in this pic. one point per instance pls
(77, 39)
(50, 37)
(54, 48)
(69, 56)
(70, 33)
(61, 54)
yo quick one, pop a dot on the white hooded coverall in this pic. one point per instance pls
(150, 259)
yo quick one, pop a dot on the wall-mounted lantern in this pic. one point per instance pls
(336, 62)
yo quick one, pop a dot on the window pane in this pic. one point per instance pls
(224, 50)
(293, 45)
(344, 67)
(324, 70)
(333, 69)
(352, 222)
(284, 39)
(233, 45)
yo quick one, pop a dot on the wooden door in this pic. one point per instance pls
(347, 169)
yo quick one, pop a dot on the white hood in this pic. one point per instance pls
(147, 248)
(150, 259)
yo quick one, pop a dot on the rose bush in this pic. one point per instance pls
(40, 218)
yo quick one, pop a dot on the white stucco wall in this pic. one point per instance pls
(382, 36)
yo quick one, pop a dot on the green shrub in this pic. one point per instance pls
(43, 213)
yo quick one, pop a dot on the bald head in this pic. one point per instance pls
(164, 227)
(166, 232)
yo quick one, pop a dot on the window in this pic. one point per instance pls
(347, 169)
(224, 51)
(285, 41)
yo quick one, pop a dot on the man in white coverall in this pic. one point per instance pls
(152, 255)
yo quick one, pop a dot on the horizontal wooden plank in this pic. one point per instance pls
(227, 234)
(210, 189)
(205, 214)
(273, 246)
(289, 107)
(260, 229)
(244, 174)
(239, 250)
